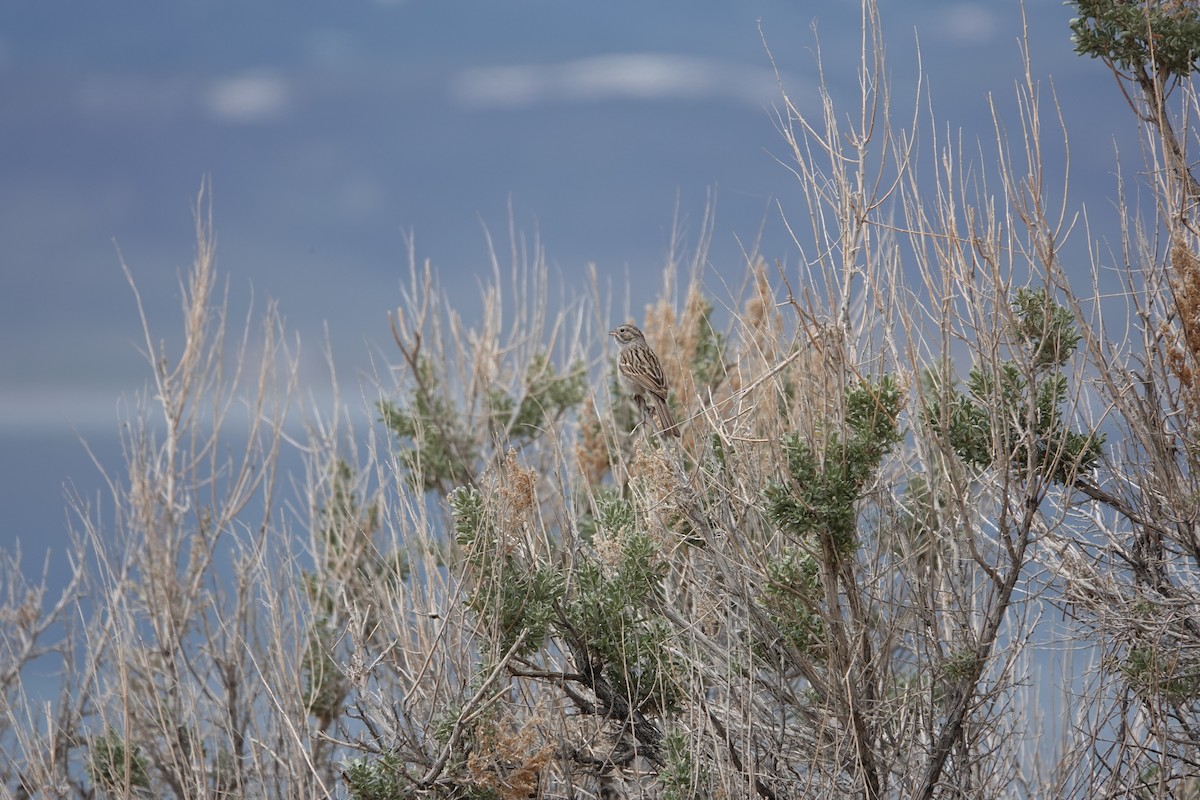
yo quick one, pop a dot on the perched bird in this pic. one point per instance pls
(642, 375)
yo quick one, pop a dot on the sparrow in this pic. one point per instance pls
(642, 376)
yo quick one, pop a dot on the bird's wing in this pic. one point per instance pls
(646, 375)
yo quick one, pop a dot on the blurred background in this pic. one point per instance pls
(334, 133)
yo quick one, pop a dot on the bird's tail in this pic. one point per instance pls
(666, 422)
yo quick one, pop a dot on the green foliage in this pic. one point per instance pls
(1013, 414)
(708, 359)
(681, 776)
(609, 617)
(442, 444)
(717, 451)
(342, 514)
(438, 451)
(607, 614)
(116, 767)
(1156, 677)
(641, 572)
(961, 665)
(466, 504)
(352, 568)
(820, 499)
(1155, 782)
(1157, 36)
(513, 596)
(348, 526)
(382, 778)
(791, 597)
(441, 726)
(965, 424)
(922, 505)
(519, 602)
(1045, 330)
(388, 776)
(820, 503)
(325, 686)
(476, 734)
(547, 395)
(612, 515)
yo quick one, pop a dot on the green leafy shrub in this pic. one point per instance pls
(116, 767)
(820, 497)
(1013, 415)
(792, 597)
(1158, 35)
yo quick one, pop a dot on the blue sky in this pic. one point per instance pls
(331, 131)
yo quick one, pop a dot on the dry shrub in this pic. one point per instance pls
(829, 588)
(1183, 350)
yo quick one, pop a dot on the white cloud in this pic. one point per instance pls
(644, 75)
(966, 23)
(253, 97)
(250, 97)
(503, 86)
(639, 76)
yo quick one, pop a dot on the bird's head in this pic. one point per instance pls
(626, 334)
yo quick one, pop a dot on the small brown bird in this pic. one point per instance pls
(642, 375)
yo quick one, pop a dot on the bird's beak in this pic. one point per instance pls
(613, 332)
